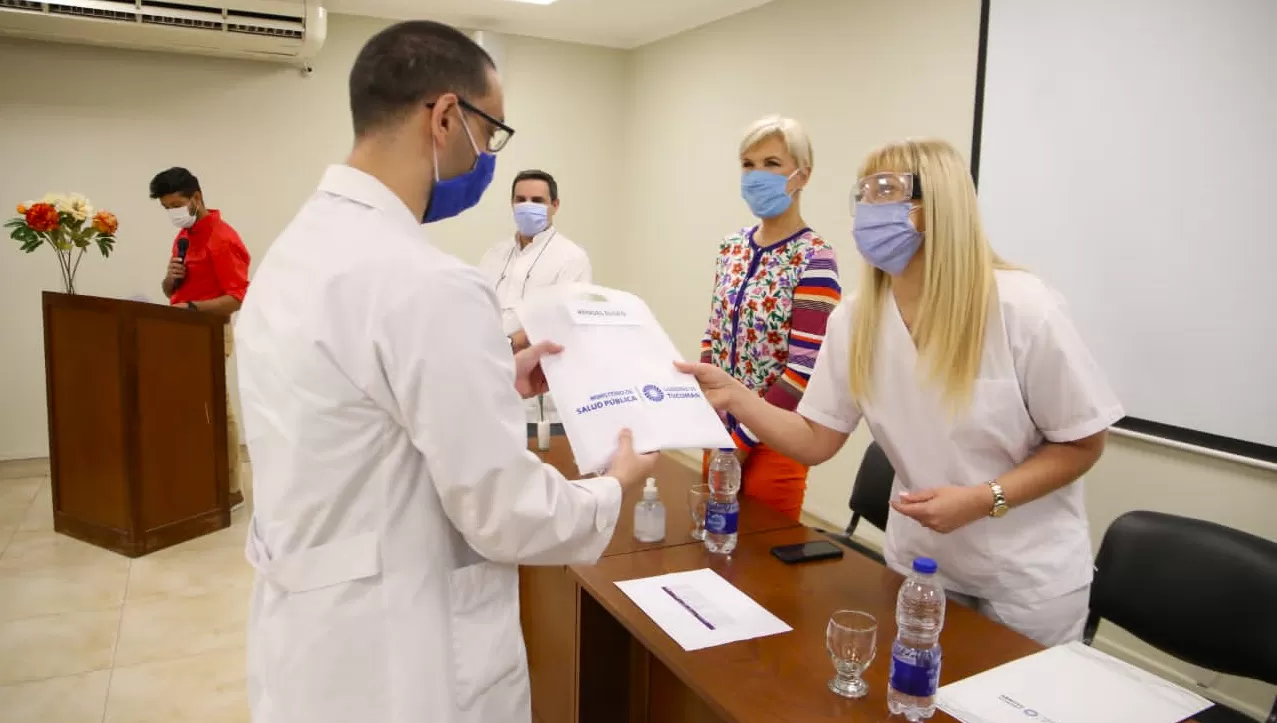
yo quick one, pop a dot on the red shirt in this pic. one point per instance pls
(216, 261)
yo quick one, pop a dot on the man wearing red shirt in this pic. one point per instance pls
(212, 278)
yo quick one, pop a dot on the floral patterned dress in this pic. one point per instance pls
(767, 320)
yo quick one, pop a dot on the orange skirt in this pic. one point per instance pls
(771, 478)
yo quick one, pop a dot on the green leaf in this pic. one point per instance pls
(15, 223)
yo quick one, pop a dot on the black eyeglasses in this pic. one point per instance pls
(501, 133)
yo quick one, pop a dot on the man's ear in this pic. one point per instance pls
(555, 205)
(441, 119)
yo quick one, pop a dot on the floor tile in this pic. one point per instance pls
(48, 550)
(40, 514)
(57, 645)
(15, 498)
(196, 572)
(168, 627)
(32, 593)
(74, 699)
(232, 537)
(207, 688)
(17, 468)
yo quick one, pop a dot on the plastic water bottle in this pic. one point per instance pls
(722, 511)
(915, 656)
(649, 515)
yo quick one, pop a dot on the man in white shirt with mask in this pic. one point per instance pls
(394, 493)
(538, 256)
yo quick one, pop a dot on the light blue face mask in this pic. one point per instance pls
(885, 235)
(531, 218)
(765, 193)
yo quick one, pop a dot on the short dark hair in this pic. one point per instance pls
(174, 180)
(534, 174)
(409, 64)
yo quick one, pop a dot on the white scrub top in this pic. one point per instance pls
(518, 273)
(1037, 383)
(394, 494)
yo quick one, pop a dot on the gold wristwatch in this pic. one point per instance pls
(1000, 507)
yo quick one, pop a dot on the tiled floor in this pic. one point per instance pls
(88, 636)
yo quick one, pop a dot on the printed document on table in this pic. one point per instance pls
(1069, 683)
(699, 609)
(616, 372)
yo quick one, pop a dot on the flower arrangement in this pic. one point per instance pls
(69, 225)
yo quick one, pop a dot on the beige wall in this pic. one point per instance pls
(258, 136)
(857, 73)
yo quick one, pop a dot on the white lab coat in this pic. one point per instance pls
(519, 273)
(393, 490)
(1037, 383)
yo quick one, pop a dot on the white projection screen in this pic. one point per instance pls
(1126, 152)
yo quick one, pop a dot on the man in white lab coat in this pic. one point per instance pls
(536, 256)
(393, 490)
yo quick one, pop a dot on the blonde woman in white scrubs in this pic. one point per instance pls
(976, 384)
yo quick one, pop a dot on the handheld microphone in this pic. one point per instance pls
(182, 245)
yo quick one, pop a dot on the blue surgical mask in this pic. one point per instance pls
(531, 218)
(765, 193)
(885, 236)
(452, 196)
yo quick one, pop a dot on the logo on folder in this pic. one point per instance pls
(653, 393)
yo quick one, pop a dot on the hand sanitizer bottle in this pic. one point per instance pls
(649, 515)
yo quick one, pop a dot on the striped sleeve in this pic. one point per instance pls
(815, 298)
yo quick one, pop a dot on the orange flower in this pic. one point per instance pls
(22, 210)
(42, 217)
(105, 223)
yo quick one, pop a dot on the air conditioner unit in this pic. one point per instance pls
(274, 30)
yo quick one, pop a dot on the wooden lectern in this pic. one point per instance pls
(137, 422)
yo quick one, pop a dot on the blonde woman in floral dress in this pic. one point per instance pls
(774, 287)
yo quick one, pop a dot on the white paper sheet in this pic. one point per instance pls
(617, 371)
(1068, 684)
(699, 609)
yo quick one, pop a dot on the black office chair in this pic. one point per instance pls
(1202, 592)
(870, 498)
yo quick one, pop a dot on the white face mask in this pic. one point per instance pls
(181, 216)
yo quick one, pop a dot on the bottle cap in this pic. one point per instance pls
(925, 565)
(649, 490)
(728, 450)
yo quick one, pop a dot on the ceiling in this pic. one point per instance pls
(611, 23)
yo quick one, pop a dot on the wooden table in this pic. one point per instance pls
(777, 678)
(596, 657)
(563, 628)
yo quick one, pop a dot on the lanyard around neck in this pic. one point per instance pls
(510, 259)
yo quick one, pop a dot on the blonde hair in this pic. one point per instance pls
(789, 130)
(958, 279)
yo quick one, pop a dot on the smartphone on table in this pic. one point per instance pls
(807, 552)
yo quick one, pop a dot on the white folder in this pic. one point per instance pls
(617, 371)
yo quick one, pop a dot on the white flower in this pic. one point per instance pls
(78, 206)
(57, 200)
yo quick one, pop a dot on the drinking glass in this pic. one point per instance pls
(852, 641)
(697, 498)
